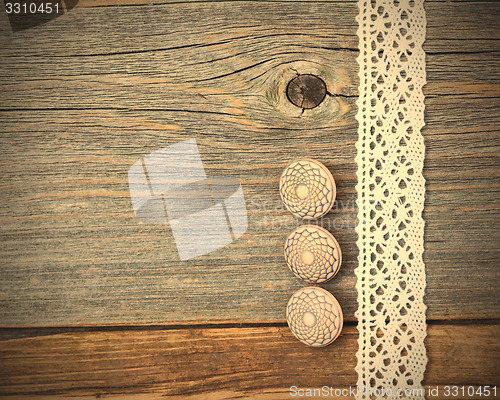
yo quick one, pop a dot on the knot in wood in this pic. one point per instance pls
(306, 91)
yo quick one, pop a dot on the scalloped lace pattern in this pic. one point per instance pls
(391, 188)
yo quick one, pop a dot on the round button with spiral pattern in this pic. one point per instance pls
(313, 254)
(307, 189)
(314, 316)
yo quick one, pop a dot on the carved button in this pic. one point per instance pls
(314, 316)
(313, 254)
(307, 189)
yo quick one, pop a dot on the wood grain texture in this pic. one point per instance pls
(90, 93)
(254, 362)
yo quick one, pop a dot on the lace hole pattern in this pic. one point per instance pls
(391, 189)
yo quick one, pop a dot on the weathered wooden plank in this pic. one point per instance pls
(95, 27)
(72, 251)
(218, 362)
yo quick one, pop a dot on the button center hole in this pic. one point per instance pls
(307, 257)
(309, 319)
(302, 191)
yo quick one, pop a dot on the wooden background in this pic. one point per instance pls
(95, 304)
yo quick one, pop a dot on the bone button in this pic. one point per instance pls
(307, 189)
(314, 316)
(313, 254)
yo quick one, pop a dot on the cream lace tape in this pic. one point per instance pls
(390, 155)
